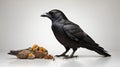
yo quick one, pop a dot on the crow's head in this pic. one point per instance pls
(55, 14)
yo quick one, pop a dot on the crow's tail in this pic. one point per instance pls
(99, 50)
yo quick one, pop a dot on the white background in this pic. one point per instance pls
(21, 26)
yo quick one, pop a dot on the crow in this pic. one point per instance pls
(70, 35)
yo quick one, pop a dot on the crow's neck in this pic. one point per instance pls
(59, 19)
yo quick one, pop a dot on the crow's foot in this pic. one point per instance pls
(67, 57)
(61, 55)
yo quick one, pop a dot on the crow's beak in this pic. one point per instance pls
(45, 15)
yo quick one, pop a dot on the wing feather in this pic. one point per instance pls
(74, 32)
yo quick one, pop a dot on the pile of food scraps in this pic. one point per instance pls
(32, 52)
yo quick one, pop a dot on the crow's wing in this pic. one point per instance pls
(74, 32)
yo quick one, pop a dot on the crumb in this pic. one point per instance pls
(49, 57)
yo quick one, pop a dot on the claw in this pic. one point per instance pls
(67, 57)
(61, 55)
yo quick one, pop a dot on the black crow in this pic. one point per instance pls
(70, 35)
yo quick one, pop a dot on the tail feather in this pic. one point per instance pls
(99, 50)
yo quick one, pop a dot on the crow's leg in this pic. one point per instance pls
(72, 55)
(63, 54)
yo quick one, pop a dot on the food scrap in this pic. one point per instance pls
(32, 52)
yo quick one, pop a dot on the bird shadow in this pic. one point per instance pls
(92, 61)
(88, 56)
(80, 61)
(81, 56)
(101, 61)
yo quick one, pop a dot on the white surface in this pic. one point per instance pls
(81, 61)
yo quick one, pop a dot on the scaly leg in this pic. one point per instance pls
(72, 55)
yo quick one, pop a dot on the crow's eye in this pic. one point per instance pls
(51, 13)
